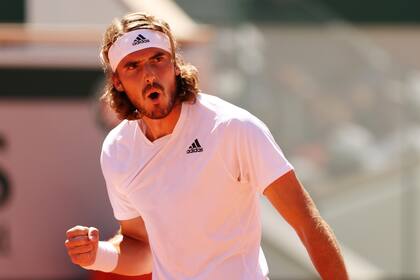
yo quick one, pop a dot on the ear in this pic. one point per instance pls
(177, 70)
(117, 83)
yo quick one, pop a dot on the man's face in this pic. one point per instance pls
(148, 77)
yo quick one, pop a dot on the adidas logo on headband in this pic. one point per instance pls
(140, 39)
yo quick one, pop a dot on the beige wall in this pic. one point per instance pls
(52, 161)
(73, 12)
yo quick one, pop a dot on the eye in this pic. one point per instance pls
(159, 58)
(131, 65)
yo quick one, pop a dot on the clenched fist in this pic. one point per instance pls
(82, 244)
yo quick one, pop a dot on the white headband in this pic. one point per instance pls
(136, 40)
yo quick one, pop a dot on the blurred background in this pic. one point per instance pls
(337, 82)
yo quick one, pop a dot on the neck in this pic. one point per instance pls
(157, 128)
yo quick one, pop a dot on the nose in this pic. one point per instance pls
(149, 76)
(149, 79)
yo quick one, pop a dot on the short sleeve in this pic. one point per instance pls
(261, 161)
(121, 206)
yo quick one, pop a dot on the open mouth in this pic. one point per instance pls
(154, 95)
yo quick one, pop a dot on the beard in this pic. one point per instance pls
(158, 112)
(161, 111)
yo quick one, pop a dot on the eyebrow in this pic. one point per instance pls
(131, 62)
(158, 54)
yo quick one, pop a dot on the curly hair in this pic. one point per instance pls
(187, 81)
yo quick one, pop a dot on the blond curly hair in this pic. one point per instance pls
(187, 81)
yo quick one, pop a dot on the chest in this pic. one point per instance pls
(184, 180)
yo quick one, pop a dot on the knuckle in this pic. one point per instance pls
(80, 228)
(69, 244)
(69, 231)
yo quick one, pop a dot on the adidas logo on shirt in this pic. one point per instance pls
(140, 39)
(195, 147)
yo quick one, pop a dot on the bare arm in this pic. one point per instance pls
(135, 257)
(292, 201)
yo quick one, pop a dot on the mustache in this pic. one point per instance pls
(151, 86)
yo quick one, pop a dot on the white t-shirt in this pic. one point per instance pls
(197, 189)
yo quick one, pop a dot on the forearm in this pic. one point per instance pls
(134, 256)
(323, 250)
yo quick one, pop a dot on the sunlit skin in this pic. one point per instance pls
(148, 77)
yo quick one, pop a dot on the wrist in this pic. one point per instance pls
(106, 258)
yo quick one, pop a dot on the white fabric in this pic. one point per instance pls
(134, 41)
(201, 209)
(106, 258)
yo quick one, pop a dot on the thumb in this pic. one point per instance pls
(93, 234)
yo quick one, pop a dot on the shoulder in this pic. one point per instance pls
(117, 139)
(218, 106)
(228, 114)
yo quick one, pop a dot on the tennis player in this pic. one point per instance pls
(184, 172)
